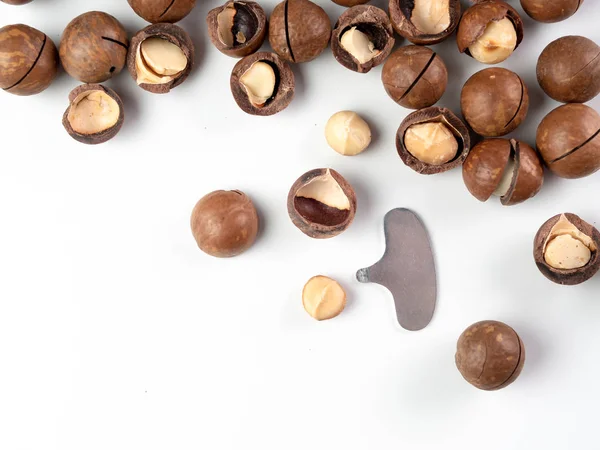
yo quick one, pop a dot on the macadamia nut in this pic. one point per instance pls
(431, 16)
(323, 298)
(432, 143)
(497, 42)
(347, 133)
(507, 178)
(259, 81)
(358, 45)
(158, 61)
(326, 190)
(567, 247)
(93, 112)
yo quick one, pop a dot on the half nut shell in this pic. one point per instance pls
(413, 20)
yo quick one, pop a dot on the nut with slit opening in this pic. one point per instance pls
(425, 22)
(551, 12)
(323, 298)
(170, 11)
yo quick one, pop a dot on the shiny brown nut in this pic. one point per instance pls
(362, 38)
(494, 102)
(490, 31)
(160, 58)
(323, 298)
(16, 2)
(155, 11)
(262, 84)
(432, 140)
(299, 30)
(565, 249)
(550, 11)
(508, 169)
(568, 139)
(321, 203)
(95, 114)
(93, 47)
(28, 60)
(237, 28)
(224, 223)
(350, 3)
(568, 69)
(415, 77)
(425, 22)
(490, 355)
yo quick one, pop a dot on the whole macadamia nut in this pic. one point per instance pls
(347, 133)
(299, 30)
(490, 31)
(224, 223)
(323, 298)
(490, 355)
(28, 60)
(155, 11)
(425, 22)
(568, 69)
(16, 2)
(494, 102)
(568, 139)
(550, 11)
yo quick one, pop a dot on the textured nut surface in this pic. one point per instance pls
(432, 143)
(93, 112)
(550, 11)
(323, 298)
(496, 44)
(347, 133)
(567, 247)
(425, 22)
(358, 45)
(259, 82)
(162, 10)
(431, 16)
(159, 61)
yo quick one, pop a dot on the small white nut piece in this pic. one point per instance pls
(158, 61)
(259, 82)
(431, 16)
(431, 142)
(323, 298)
(347, 133)
(566, 247)
(507, 178)
(496, 44)
(93, 112)
(358, 45)
(327, 190)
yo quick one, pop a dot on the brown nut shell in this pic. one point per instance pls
(490, 355)
(170, 11)
(16, 2)
(415, 77)
(494, 101)
(568, 139)
(475, 20)
(28, 60)
(486, 166)
(550, 12)
(171, 33)
(283, 93)
(317, 218)
(299, 30)
(350, 3)
(99, 137)
(373, 22)
(429, 115)
(93, 47)
(224, 223)
(401, 12)
(568, 70)
(569, 277)
(248, 27)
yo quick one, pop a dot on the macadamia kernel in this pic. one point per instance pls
(325, 189)
(431, 16)
(225, 25)
(158, 61)
(358, 45)
(347, 133)
(432, 143)
(497, 42)
(323, 298)
(567, 247)
(507, 178)
(259, 81)
(93, 112)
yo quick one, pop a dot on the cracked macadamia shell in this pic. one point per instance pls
(237, 28)
(224, 223)
(369, 25)
(485, 28)
(299, 30)
(550, 11)
(560, 241)
(323, 298)
(425, 22)
(321, 203)
(494, 102)
(95, 114)
(490, 355)
(258, 73)
(568, 70)
(28, 60)
(508, 169)
(154, 11)
(568, 139)
(160, 58)
(414, 77)
(93, 47)
(448, 129)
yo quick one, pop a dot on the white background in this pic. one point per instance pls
(116, 332)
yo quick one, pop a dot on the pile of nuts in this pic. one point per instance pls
(95, 47)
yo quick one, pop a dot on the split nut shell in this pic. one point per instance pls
(425, 22)
(170, 11)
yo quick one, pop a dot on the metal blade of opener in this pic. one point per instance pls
(407, 269)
